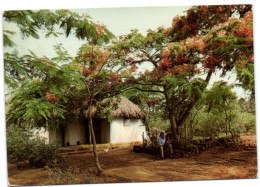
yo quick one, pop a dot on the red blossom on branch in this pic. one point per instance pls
(203, 9)
(108, 85)
(49, 64)
(50, 97)
(134, 67)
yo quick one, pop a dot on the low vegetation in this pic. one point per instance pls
(22, 145)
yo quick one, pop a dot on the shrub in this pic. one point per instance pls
(22, 145)
(18, 143)
(42, 152)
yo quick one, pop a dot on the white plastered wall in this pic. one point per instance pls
(119, 133)
(75, 131)
(42, 133)
(52, 135)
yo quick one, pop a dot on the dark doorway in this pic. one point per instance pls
(60, 134)
(97, 130)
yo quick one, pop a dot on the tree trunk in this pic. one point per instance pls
(174, 127)
(89, 130)
(226, 130)
(229, 127)
(99, 169)
(191, 131)
(185, 133)
(175, 132)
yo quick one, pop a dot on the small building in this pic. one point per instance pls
(126, 126)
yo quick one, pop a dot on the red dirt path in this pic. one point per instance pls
(123, 165)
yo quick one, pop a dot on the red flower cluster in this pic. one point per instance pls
(183, 69)
(165, 54)
(219, 9)
(108, 85)
(115, 78)
(152, 101)
(49, 64)
(130, 59)
(175, 20)
(134, 67)
(245, 32)
(99, 30)
(167, 30)
(211, 62)
(87, 70)
(203, 9)
(50, 97)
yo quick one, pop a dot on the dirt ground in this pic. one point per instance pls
(123, 165)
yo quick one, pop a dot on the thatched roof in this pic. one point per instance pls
(127, 109)
(124, 109)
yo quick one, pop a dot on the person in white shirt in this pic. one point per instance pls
(161, 142)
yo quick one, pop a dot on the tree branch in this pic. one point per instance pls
(143, 90)
(148, 84)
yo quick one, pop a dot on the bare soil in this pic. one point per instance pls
(122, 165)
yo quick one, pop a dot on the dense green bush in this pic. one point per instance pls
(23, 145)
(42, 152)
(18, 143)
(209, 124)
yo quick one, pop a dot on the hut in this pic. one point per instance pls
(126, 126)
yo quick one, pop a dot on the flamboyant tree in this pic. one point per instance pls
(98, 68)
(207, 39)
(223, 47)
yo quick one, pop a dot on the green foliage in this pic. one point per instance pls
(216, 121)
(18, 143)
(246, 122)
(23, 145)
(7, 38)
(42, 152)
(31, 22)
(219, 96)
(209, 124)
(160, 123)
(247, 105)
(43, 98)
(246, 76)
(224, 135)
